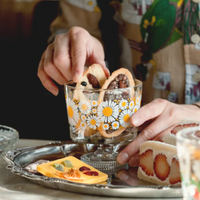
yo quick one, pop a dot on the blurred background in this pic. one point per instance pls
(24, 104)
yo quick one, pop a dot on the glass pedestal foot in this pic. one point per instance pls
(103, 159)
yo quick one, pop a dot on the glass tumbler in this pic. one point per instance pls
(188, 148)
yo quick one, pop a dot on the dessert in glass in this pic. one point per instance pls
(188, 148)
(100, 114)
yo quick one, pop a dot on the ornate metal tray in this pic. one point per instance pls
(18, 159)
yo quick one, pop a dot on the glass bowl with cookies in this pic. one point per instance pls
(99, 111)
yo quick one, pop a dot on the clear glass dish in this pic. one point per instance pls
(102, 117)
(188, 148)
(8, 138)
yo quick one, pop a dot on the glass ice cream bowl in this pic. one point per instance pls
(102, 117)
(188, 148)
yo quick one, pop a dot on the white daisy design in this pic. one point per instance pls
(93, 121)
(131, 104)
(85, 107)
(108, 111)
(72, 111)
(83, 125)
(136, 108)
(115, 125)
(123, 104)
(105, 126)
(94, 103)
(83, 118)
(124, 118)
(94, 110)
(138, 100)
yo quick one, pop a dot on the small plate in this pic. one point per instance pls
(19, 159)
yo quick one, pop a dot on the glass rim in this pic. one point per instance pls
(140, 84)
(13, 130)
(181, 136)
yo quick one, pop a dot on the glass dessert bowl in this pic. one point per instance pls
(102, 116)
(188, 148)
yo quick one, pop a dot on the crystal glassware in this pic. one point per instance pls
(188, 148)
(102, 117)
(8, 139)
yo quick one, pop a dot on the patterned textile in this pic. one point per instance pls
(158, 41)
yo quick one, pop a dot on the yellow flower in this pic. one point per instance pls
(179, 4)
(146, 23)
(85, 107)
(115, 125)
(153, 62)
(153, 19)
(105, 126)
(72, 111)
(93, 121)
(123, 104)
(108, 111)
(131, 104)
(124, 118)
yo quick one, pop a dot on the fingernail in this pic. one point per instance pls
(135, 121)
(53, 91)
(122, 158)
(123, 176)
(107, 72)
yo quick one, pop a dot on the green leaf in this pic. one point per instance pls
(160, 22)
(161, 19)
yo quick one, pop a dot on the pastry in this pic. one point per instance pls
(119, 79)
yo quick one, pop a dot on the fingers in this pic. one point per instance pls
(98, 56)
(85, 50)
(129, 151)
(134, 161)
(165, 117)
(50, 68)
(61, 56)
(74, 49)
(149, 111)
(107, 72)
(129, 177)
(149, 133)
(78, 53)
(160, 136)
(66, 57)
(45, 79)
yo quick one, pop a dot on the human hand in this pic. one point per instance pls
(129, 176)
(66, 57)
(164, 116)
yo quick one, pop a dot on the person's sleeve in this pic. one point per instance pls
(58, 25)
(70, 15)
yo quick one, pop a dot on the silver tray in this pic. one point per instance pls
(18, 159)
